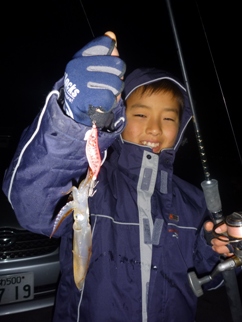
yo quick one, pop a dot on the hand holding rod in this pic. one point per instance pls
(226, 267)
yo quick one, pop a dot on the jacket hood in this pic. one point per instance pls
(145, 76)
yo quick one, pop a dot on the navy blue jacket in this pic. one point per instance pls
(146, 222)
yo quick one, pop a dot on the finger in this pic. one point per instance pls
(228, 254)
(103, 45)
(230, 248)
(221, 241)
(221, 249)
(112, 35)
(221, 229)
(106, 81)
(101, 64)
(208, 226)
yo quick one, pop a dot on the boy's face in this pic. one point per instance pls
(152, 120)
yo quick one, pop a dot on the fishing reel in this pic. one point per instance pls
(234, 238)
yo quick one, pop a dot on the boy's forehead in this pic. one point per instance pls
(139, 96)
(143, 91)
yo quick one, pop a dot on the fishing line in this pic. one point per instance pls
(88, 22)
(189, 93)
(219, 83)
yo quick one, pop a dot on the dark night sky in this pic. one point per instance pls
(38, 39)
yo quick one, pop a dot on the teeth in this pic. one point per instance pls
(152, 145)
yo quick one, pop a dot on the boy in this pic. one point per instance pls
(147, 224)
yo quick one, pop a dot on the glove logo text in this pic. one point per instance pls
(70, 89)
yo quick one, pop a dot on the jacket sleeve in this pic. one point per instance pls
(49, 160)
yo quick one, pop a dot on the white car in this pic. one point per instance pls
(29, 264)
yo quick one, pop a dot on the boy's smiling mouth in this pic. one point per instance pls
(150, 144)
(155, 146)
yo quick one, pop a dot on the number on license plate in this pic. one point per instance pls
(16, 287)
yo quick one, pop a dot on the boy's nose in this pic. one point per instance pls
(154, 127)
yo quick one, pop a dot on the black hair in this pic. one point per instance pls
(164, 85)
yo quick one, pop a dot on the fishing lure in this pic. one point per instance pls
(82, 237)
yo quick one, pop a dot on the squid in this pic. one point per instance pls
(82, 235)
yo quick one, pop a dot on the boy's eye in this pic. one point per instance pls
(140, 115)
(168, 119)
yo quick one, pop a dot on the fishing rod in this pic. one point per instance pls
(212, 197)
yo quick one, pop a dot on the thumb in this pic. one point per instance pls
(112, 35)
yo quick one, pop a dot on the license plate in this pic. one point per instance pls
(16, 287)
